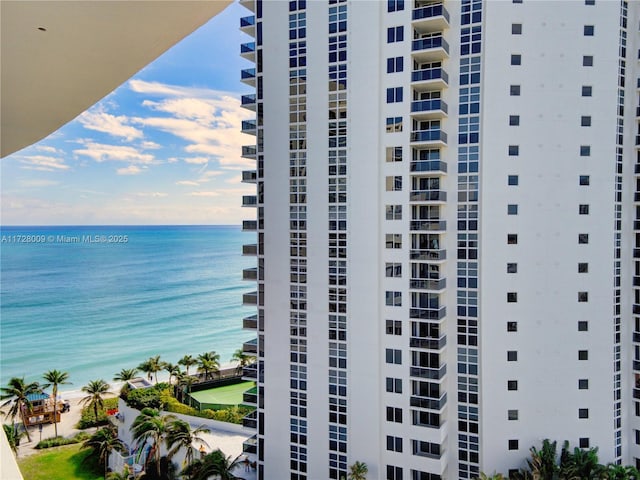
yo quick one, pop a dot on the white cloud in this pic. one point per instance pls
(204, 194)
(101, 121)
(197, 160)
(151, 194)
(44, 163)
(148, 145)
(46, 148)
(188, 183)
(234, 180)
(130, 170)
(101, 153)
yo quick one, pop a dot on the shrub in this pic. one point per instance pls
(58, 441)
(88, 419)
(152, 397)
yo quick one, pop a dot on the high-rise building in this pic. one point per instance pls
(448, 234)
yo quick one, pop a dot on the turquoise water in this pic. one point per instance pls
(94, 300)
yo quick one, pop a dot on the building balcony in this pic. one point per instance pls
(636, 365)
(248, 76)
(428, 109)
(248, 25)
(250, 347)
(250, 274)
(250, 397)
(249, 176)
(636, 337)
(248, 4)
(250, 420)
(249, 151)
(248, 51)
(428, 225)
(428, 196)
(430, 373)
(250, 250)
(433, 18)
(420, 166)
(429, 79)
(249, 225)
(427, 284)
(428, 343)
(429, 403)
(636, 393)
(250, 299)
(248, 102)
(250, 373)
(251, 322)
(428, 255)
(249, 127)
(436, 313)
(636, 168)
(249, 200)
(434, 137)
(429, 49)
(250, 445)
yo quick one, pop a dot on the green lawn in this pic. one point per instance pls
(227, 395)
(60, 463)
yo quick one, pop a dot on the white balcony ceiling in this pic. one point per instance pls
(58, 58)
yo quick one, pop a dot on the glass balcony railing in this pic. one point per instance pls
(251, 322)
(249, 151)
(250, 346)
(250, 273)
(248, 21)
(431, 373)
(436, 135)
(430, 403)
(430, 12)
(428, 343)
(428, 254)
(250, 445)
(247, 73)
(428, 106)
(248, 99)
(425, 284)
(250, 249)
(428, 225)
(249, 200)
(250, 299)
(436, 313)
(249, 47)
(428, 166)
(427, 196)
(429, 43)
(430, 74)
(248, 125)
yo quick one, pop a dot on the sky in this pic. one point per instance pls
(163, 148)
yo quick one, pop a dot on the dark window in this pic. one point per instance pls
(583, 354)
(512, 297)
(394, 327)
(587, 90)
(512, 209)
(587, 61)
(394, 414)
(394, 95)
(394, 385)
(585, 121)
(394, 444)
(583, 413)
(583, 297)
(514, 150)
(512, 356)
(512, 268)
(583, 326)
(583, 238)
(589, 2)
(395, 34)
(393, 356)
(512, 414)
(585, 150)
(512, 326)
(516, 59)
(583, 384)
(583, 267)
(516, 28)
(512, 180)
(583, 209)
(395, 5)
(514, 120)
(513, 444)
(589, 30)
(583, 442)
(514, 90)
(395, 64)
(584, 179)
(394, 473)
(512, 385)
(512, 238)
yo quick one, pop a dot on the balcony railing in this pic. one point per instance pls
(249, 200)
(435, 135)
(428, 343)
(249, 151)
(250, 273)
(249, 127)
(250, 445)
(247, 21)
(249, 225)
(430, 12)
(437, 313)
(250, 346)
(250, 396)
(249, 47)
(251, 249)
(250, 299)
(428, 166)
(428, 254)
(424, 284)
(428, 196)
(636, 365)
(430, 74)
(636, 337)
(250, 420)
(251, 322)
(431, 373)
(421, 45)
(636, 393)
(428, 225)
(248, 76)
(430, 403)
(249, 176)
(436, 105)
(250, 372)
(248, 101)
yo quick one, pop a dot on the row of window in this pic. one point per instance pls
(516, 60)
(514, 150)
(588, 30)
(512, 297)
(516, 90)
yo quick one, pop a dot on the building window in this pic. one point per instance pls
(583, 238)
(393, 327)
(512, 268)
(393, 212)
(516, 29)
(583, 384)
(583, 267)
(583, 354)
(584, 180)
(394, 414)
(583, 413)
(512, 414)
(583, 326)
(516, 59)
(585, 151)
(512, 238)
(514, 150)
(512, 180)
(394, 95)
(393, 299)
(512, 356)
(514, 90)
(512, 385)
(395, 64)
(583, 209)
(512, 209)
(589, 2)
(393, 183)
(585, 121)
(513, 444)
(512, 297)
(394, 124)
(583, 297)
(587, 61)
(395, 5)
(587, 90)
(583, 442)
(393, 356)
(394, 154)
(589, 30)
(394, 473)
(394, 385)
(394, 444)
(512, 326)
(393, 240)
(514, 120)
(395, 34)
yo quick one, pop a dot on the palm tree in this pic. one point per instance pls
(180, 435)
(495, 476)
(215, 463)
(103, 442)
(620, 472)
(150, 425)
(543, 463)
(583, 464)
(96, 390)
(243, 359)
(172, 369)
(358, 471)
(13, 436)
(19, 391)
(208, 362)
(151, 367)
(125, 375)
(187, 361)
(56, 378)
(184, 383)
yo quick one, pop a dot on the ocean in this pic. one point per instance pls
(92, 300)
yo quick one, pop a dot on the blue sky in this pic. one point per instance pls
(163, 148)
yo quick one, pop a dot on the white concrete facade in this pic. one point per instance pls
(487, 268)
